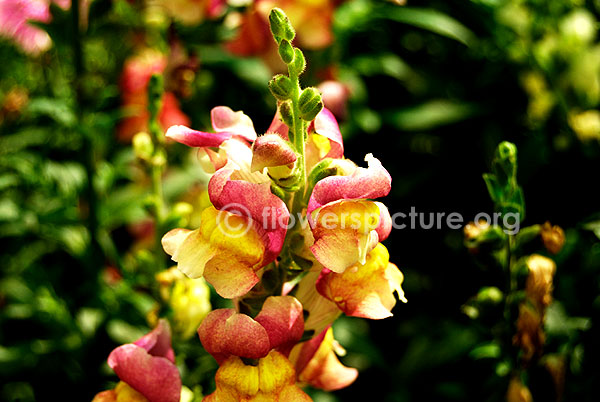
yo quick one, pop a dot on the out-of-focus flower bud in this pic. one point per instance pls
(143, 146)
(530, 336)
(335, 96)
(310, 103)
(481, 236)
(556, 366)
(189, 299)
(518, 392)
(489, 294)
(586, 125)
(553, 237)
(539, 282)
(505, 161)
(578, 27)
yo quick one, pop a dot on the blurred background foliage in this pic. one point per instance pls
(430, 87)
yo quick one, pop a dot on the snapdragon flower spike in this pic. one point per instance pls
(365, 290)
(148, 365)
(345, 224)
(272, 379)
(279, 325)
(317, 364)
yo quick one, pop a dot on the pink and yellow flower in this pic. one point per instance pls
(146, 368)
(229, 336)
(345, 224)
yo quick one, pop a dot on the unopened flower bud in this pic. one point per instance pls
(518, 392)
(310, 103)
(271, 150)
(155, 92)
(505, 162)
(287, 115)
(281, 87)
(286, 51)
(297, 66)
(143, 146)
(280, 25)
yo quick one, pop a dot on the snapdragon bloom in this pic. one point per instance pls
(146, 369)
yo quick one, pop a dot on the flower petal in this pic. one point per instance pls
(154, 377)
(365, 290)
(225, 332)
(253, 200)
(227, 249)
(230, 277)
(225, 120)
(194, 138)
(344, 233)
(158, 341)
(273, 379)
(372, 182)
(321, 312)
(326, 125)
(282, 318)
(385, 222)
(317, 364)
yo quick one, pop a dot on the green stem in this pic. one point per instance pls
(88, 155)
(156, 166)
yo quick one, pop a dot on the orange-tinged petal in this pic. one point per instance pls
(282, 317)
(365, 290)
(321, 311)
(105, 396)
(227, 250)
(344, 232)
(124, 393)
(225, 332)
(323, 370)
(273, 379)
(230, 277)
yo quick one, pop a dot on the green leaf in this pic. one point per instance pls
(430, 115)
(385, 63)
(493, 187)
(431, 20)
(56, 109)
(486, 351)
